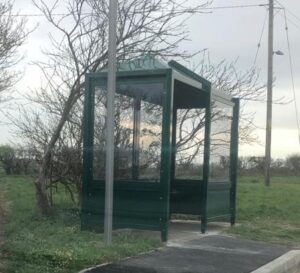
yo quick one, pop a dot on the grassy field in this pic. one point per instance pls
(55, 244)
(269, 214)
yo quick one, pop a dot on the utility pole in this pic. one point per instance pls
(269, 95)
(111, 89)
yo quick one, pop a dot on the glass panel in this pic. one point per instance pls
(190, 130)
(151, 92)
(221, 120)
(137, 131)
(99, 134)
(123, 136)
(150, 141)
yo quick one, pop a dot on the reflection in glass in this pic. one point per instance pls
(137, 131)
(221, 120)
(190, 129)
(123, 136)
(150, 141)
(150, 92)
(99, 147)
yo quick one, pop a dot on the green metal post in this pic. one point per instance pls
(206, 164)
(87, 142)
(234, 158)
(136, 138)
(173, 155)
(166, 154)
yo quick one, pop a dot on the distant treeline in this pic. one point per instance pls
(16, 161)
(255, 165)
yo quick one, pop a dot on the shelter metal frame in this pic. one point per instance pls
(148, 204)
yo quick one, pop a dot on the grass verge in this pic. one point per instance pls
(56, 244)
(269, 214)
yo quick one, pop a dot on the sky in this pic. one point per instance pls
(235, 33)
(228, 34)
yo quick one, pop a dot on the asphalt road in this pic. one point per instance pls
(211, 254)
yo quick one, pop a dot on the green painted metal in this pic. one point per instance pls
(173, 152)
(204, 188)
(146, 204)
(136, 138)
(206, 85)
(234, 159)
(138, 204)
(218, 200)
(87, 145)
(129, 76)
(166, 153)
(185, 196)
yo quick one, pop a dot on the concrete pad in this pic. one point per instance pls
(183, 232)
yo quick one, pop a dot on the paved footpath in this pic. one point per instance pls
(209, 254)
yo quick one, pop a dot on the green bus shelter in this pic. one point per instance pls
(176, 148)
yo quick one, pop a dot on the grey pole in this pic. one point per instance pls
(111, 88)
(269, 95)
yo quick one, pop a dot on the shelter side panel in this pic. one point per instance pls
(139, 207)
(218, 201)
(186, 197)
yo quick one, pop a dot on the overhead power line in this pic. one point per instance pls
(290, 12)
(292, 75)
(293, 23)
(41, 14)
(235, 7)
(66, 14)
(260, 38)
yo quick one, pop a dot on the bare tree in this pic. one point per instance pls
(190, 123)
(79, 45)
(245, 85)
(12, 35)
